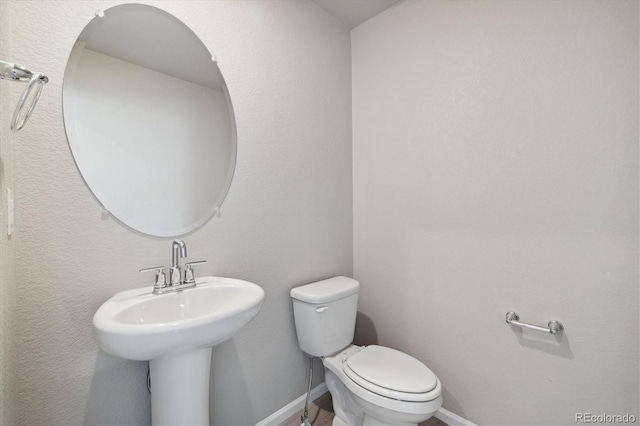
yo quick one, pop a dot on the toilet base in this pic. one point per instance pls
(370, 421)
(338, 422)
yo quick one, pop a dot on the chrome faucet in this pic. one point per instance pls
(178, 248)
(176, 283)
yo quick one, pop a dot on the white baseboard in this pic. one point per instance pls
(452, 419)
(296, 405)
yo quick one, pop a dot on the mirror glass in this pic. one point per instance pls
(149, 120)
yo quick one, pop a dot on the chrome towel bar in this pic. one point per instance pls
(553, 327)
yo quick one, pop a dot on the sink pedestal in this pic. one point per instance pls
(180, 387)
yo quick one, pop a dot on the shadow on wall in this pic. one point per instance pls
(232, 402)
(366, 333)
(118, 393)
(554, 344)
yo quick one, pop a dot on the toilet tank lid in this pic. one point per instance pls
(326, 290)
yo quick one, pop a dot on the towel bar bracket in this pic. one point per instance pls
(35, 82)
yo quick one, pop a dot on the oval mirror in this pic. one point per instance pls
(149, 120)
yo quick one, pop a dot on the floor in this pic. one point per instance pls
(321, 414)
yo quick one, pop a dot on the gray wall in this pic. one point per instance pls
(495, 151)
(496, 169)
(286, 221)
(8, 400)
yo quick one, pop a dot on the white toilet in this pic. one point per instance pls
(369, 385)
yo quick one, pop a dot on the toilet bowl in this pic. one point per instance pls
(369, 385)
(379, 385)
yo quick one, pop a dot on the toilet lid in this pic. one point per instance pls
(390, 369)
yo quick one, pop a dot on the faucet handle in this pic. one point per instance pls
(155, 268)
(161, 281)
(188, 273)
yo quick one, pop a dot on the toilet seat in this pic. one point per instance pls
(391, 374)
(376, 400)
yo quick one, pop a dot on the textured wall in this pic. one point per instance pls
(8, 371)
(496, 169)
(287, 219)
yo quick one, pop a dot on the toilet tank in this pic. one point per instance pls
(325, 315)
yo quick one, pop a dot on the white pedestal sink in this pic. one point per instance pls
(175, 333)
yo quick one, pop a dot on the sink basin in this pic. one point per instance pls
(175, 332)
(138, 325)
